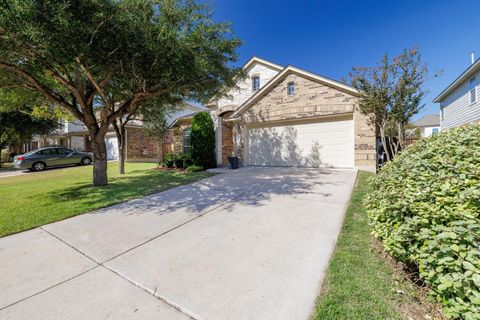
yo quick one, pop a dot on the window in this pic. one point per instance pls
(64, 151)
(291, 88)
(473, 90)
(255, 83)
(434, 130)
(47, 151)
(186, 140)
(442, 113)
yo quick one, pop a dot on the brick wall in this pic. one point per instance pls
(227, 141)
(140, 147)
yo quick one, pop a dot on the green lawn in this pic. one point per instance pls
(7, 166)
(359, 284)
(31, 200)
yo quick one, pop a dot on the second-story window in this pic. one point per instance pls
(473, 90)
(291, 88)
(442, 113)
(255, 83)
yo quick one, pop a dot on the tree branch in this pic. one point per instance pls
(46, 92)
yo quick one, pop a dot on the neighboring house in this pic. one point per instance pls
(428, 125)
(459, 102)
(139, 147)
(286, 116)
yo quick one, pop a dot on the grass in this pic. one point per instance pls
(360, 283)
(32, 200)
(7, 166)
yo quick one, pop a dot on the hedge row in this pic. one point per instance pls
(425, 208)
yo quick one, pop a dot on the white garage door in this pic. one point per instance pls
(315, 144)
(112, 147)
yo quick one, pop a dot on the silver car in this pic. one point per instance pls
(42, 158)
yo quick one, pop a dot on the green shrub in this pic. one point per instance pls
(169, 160)
(425, 209)
(202, 140)
(195, 168)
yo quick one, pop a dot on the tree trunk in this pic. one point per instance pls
(99, 149)
(384, 142)
(121, 133)
(121, 157)
(159, 151)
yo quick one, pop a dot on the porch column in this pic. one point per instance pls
(219, 141)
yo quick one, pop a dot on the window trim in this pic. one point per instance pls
(473, 89)
(291, 85)
(254, 78)
(185, 148)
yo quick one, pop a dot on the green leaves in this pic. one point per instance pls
(203, 140)
(425, 208)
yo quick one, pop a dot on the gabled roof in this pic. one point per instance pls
(254, 60)
(185, 106)
(184, 117)
(286, 71)
(429, 120)
(467, 74)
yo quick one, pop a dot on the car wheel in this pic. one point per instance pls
(86, 161)
(38, 166)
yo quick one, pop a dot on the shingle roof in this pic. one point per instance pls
(461, 79)
(429, 120)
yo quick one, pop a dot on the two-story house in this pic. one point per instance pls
(285, 116)
(459, 102)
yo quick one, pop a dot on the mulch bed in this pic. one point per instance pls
(169, 169)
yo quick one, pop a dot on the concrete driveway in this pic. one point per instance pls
(248, 244)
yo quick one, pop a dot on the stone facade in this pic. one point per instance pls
(365, 143)
(227, 141)
(244, 90)
(312, 100)
(140, 147)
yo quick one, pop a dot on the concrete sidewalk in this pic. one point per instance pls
(249, 244)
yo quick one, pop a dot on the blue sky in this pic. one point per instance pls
(331, 37)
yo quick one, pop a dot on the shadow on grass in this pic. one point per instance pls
(247, 186)
(136, 183)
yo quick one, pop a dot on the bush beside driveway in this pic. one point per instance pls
(425, 209)
(361, 281)
(31, 200)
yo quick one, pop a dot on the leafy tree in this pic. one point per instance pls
(202, 141)
(390, 95)
(409, 74)
(373, 84)
(20, 125)
(101, 59)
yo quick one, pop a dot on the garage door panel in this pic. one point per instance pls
(321, 144)
(111, 143)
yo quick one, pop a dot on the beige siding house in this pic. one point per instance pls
(286, 116)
